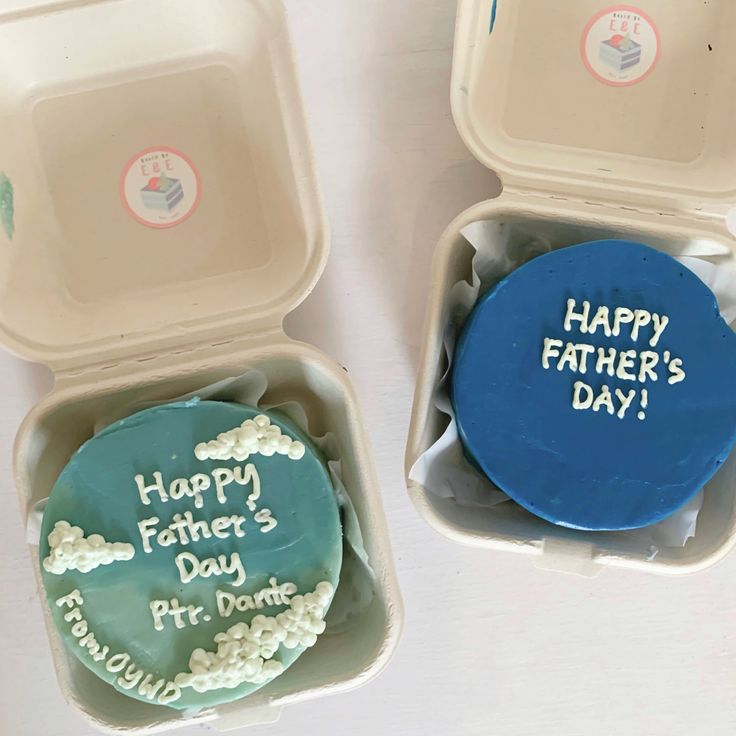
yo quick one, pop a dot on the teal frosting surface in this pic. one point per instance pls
(98, 493)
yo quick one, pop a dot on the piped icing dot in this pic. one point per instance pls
(244, 652)
(70, 550)
(253, 437)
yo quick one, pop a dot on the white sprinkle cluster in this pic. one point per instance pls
(253, 437)
(244, 652)
(70, 550)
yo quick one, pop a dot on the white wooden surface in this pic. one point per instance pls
(491, 645)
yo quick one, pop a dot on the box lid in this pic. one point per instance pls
(604, 101)
(157, 187)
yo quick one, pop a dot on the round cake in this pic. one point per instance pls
(595, 386)
(190, 552)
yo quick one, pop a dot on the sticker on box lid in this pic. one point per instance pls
(160, 187)
(620, 46)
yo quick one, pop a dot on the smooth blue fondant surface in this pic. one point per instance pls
(97, 492)
(583, 469)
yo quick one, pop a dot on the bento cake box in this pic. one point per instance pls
(587, 148)
(167, 218)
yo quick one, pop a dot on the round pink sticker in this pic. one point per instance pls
(620, 46)
(160, 187)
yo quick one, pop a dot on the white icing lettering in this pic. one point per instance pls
(146, 490)
(246, 475)
(644, 404)
(265, 517)
(223, 478)
(604, 399)
(146, 528)
(677, 374)
(569, 357)
(600, 320)
(584, 398)
(148, 690)
(93, 648)
(180, 488)
(184, 529)
(641, 319)
(199, 482)
(158, 610)
(649, 362)
(166, 538)
(80, 629)
(176, 611)
(131, 677)
(621, 316)
(190, 567)
(610, 322)
(195, 486)
(73, 599)
(578, 402)
(117, 663)
(625, 401)
(225, 603)
(234, 567)
(275, 595)
(626, 361)
(237, 522)
(197, 528)
(209, 567)
(171, 693)
(551, 350)
(178, 525)
(660, 325)
(585, 351)
(574, 357)
(219, 526)
(606, 361)
(573, 316)
(75, 615)
(182, 560)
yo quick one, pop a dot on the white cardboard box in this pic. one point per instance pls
(121, 311)
(582, 159)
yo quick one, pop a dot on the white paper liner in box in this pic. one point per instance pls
(443, 469)
(356, 589)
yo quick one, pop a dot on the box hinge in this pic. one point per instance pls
(664, 208)
(129, 366)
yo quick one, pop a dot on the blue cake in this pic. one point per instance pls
(595, 386)
(191, 552)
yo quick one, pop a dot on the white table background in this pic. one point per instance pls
(491, 645)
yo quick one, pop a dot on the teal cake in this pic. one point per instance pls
(190, 552)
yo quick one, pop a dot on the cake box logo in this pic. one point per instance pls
(160, 187)
(620, 46)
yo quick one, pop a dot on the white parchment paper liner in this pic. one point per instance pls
(499, 250)
(356, 589)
